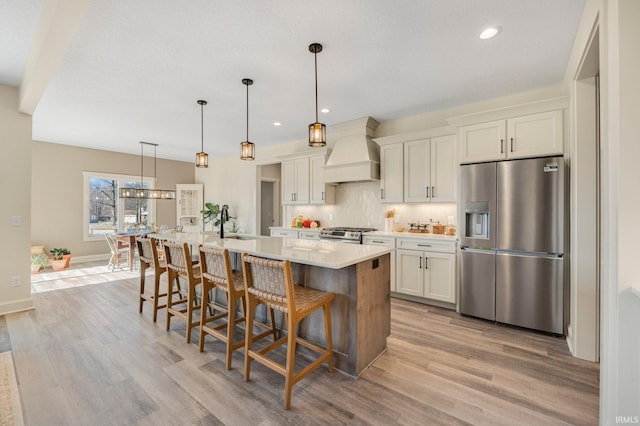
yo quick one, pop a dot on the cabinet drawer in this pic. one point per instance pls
(427, 245)
(309, 235)
(379, 241)
(284, 233)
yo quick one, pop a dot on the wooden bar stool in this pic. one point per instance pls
(151, 257)
(271, 282)
(218, 274)
(180, 265)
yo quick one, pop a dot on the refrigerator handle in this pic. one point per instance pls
(511, 144)
(501, 146)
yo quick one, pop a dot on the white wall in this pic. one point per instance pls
(15, 187)
(619, 63)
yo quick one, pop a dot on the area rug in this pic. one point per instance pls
(10, 408)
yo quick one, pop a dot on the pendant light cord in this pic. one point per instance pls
(202, 127)
(315, 58)
(247, 112)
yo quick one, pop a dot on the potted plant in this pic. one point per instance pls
(57, 258)
(66, 255)
(39, 261)
(211, 214)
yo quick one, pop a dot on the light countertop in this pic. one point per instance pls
(326, 254)
(421, 235)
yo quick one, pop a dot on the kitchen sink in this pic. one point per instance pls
(240, 237)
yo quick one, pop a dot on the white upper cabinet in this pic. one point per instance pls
(531, 135)
(391, 173)
(320, 192)
(303, 180)
(295, 181)
(535, 135)
(429, 170)
(444, 168)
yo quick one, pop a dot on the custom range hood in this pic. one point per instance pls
(355, 156)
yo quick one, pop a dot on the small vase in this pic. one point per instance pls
(388, 224)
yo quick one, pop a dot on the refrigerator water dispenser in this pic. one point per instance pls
(477, 219)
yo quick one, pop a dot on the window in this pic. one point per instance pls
(105, 212)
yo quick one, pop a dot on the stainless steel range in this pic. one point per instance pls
(344, 234)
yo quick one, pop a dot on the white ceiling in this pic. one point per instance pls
(135, 69)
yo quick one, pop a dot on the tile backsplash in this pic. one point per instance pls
(358, 204)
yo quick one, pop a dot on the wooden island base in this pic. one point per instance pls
(360, 313)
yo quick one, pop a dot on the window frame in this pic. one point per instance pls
(121, 178)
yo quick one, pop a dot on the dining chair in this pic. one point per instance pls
(217, 273)
(271, 282)
(151, 257)
(181, 266)
(116, 252)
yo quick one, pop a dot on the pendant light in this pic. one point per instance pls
(202, 159)
(317, 131)
(247, 149)
(142, 192)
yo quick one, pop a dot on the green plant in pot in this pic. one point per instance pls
(211, 214)
(58, 260)
(39, 262)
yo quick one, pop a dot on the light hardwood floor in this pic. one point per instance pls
(86, 356)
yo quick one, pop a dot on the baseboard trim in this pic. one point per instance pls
(16, 306)
(424, 301)
(89, 258)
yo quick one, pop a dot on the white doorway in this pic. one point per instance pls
(269, 201)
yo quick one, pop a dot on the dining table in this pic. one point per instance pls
(128, 239)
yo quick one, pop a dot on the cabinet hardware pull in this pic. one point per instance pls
(433, 192)
(511, 144)
(381, 193)
(501, 146)
(426, 263)
(377, 241)
(424, 245)
(322, 195)
(420, 263)
(426, 190)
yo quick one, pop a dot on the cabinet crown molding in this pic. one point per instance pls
(560, 102)
(417, 135)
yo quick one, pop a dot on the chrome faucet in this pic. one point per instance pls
(224, 216)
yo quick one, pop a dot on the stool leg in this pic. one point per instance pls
(142, 279)
(231, 325)
(248, 332)
(156, 295)
(290, 364)
(171, 278)
(203, 314)
(327, 333)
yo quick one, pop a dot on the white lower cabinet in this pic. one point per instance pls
(426, 269)
(284, 233)
(309, 235)
(387, 242)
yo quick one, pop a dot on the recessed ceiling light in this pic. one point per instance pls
(325, 110)
(490, 32)
(277, 123)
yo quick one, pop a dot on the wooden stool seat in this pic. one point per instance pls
(218, 274)
(271, 282)
(181, 266)
(150, 257)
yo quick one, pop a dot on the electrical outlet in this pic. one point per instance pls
(15, 281)
(396, 218)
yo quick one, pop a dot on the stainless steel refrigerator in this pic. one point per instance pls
(512, 241)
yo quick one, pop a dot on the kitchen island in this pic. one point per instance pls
(357, 274)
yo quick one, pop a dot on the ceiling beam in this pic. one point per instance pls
(57, 25)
